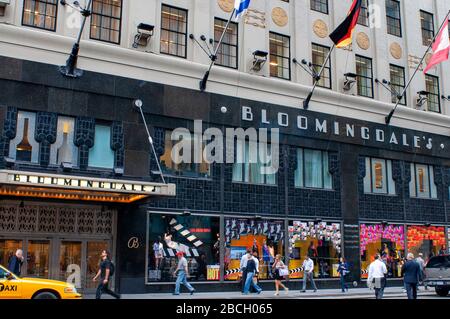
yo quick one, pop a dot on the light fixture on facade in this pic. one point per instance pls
(445, 98)
(350, 80)
(118, 171)
(388, 86)
(384, 223)
(144, 33)
(259, 59)
(422, 98)
(9, 162)
(186, 213)
(427, 225)
(258, 217)
(318, 220)
(22, 204)
(66, 166)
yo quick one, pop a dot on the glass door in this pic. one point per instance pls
(8, 249)
(70, 262)
(38, 254)
(94, 249)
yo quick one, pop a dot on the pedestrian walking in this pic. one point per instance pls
(252, 271)
(181, 273)
(421, 263)
(15, 263)
(343, 270)
(411, 276)
(278, 267)
(377, 276)
(105, 272)
(308, 273)
(243, 268)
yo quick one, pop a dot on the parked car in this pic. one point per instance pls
(437, 274)
(13, 287)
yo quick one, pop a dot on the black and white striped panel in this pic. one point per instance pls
(295, 270)
(185, 233)
(364, 271)
(190, 252)
(232, 272)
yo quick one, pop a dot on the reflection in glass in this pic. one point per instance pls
(8, 249)
(69, 259)
(38, 259)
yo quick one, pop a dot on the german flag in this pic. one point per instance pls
(342, 36)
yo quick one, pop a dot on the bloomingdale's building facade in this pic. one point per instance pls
(344, 187)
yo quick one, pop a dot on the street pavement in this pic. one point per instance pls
(356, 293)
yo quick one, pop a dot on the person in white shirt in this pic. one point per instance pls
(243, 267)
(308, 273)
(377, 276)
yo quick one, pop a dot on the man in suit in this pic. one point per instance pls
(411, 276)
(16, 262)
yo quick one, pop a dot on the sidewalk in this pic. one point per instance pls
(357, 293)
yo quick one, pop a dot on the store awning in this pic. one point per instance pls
(69, 187)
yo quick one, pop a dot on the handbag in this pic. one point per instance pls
(283, 272)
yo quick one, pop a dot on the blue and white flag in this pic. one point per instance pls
(241, 7)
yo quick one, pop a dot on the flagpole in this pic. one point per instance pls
(214, 56)
(391, 114)
(317, 78)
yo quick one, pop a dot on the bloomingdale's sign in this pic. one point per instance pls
(345, 130)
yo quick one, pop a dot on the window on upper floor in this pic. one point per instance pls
(364, 77)
(227, 55)
(184, 159)
(319, 54)
(427, 25)
(393, 17)
(64, 150)
(24, 147)
(432, 87)
(173, 31)
(252, 167)
(397, 82)
(101, 155)
(363, 18)
(320, 5)
(40, 14)
(378, 179)
(313, 169)
(422, 181)
(280, 56)
(106, 20)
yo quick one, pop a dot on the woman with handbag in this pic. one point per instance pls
(343, 271)
(280, 271)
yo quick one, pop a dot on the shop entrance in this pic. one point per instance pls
(71, 252)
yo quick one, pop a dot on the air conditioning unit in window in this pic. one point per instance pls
(422, 101)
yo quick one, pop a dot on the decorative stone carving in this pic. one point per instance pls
(363, 41)
(413, 61)
(279, 17)
(255, 18)
(320, 28)
(226, 5)
(428, 58)
(396, 51)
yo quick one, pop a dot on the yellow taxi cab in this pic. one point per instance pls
(13, 287)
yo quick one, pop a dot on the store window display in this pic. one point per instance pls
(321, 241)
(386, 240)
(196, 236)
(265, 237)
(430, 241)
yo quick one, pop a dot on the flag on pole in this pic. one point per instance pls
(241, 7)
(342, 36)
(441, 47)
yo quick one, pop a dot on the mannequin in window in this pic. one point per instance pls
(158, 252)
(216, 248)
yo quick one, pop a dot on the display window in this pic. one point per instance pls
(196, 236)
(448, 240)
(263, 236)
(321, 241)
(430, 241)
(386, 240)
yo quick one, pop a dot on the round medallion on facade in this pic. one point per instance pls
(428, 58)
(363, 41)
(396, 51)
(320, 28)
(279, 16)
(226, 5)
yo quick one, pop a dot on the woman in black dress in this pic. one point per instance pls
(277, 265)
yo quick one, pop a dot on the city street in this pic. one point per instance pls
(360, 293)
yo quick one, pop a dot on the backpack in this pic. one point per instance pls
(112, 268)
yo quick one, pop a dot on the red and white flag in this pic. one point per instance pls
(441, 48)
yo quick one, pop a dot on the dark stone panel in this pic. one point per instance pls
(136, 163)
(102, 106)
(135, 137)
(125, 111)
(183, 103)
(67, 102)
(93, 82)
(23, 96)
(11, 68)
(45, 74)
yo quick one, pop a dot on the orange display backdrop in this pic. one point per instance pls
(426, 240)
